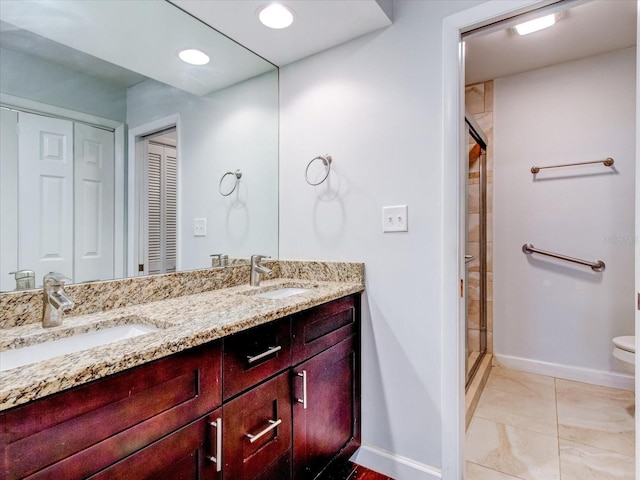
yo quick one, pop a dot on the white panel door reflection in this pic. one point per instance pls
(94, 207)
(45, 213)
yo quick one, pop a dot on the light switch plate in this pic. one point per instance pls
(395, 219)
(199, 227)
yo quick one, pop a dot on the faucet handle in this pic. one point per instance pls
(219, 259)
(259, 257)
(55, 278)
(25, 279)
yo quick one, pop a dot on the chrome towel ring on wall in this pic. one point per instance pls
(238, 175)
(326, 160)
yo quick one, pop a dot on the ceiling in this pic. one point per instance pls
(28, 43)
(144, 38)
(96, 39)
(589, 28)
(318, 24)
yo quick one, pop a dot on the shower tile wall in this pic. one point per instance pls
(479, 103)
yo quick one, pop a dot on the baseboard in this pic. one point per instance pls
(586, 375)
(394, 466)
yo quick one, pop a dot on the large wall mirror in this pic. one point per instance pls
(117, 158)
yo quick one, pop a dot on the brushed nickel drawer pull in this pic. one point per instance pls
(303, 400)
(271, 351)
(218, 458)
(273, 424)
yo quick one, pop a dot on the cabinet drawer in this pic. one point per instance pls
(182, 455)
(76, 433)
(321, 327)
(255, 355)
(256, 434)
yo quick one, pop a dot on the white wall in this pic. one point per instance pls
(547, 310)
(375, 105)
(234, 128)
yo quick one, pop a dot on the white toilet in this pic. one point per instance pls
(625, 351)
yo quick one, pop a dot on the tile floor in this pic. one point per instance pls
(533, 427)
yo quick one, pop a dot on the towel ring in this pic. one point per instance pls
(326, 160)
(238, 175)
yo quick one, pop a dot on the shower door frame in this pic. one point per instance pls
(480, 138)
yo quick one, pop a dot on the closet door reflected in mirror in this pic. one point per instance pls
(159, 217)
(58, 201)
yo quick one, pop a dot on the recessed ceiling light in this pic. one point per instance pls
(194, 57)
(275, 15)
(536, 24)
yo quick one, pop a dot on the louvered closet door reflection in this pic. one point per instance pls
(162, 208)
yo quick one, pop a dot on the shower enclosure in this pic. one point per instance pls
(476, 253)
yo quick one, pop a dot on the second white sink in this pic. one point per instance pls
(282, 292)
(19, 357)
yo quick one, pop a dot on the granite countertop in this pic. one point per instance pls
(184, 322)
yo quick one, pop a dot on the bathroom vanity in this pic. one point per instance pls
(272, 398)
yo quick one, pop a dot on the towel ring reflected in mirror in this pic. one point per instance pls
(326, 160)
(238, 175)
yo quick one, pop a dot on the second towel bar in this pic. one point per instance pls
(607, 162)
(597, 266)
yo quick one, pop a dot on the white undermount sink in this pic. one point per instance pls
(282, 292)
(19, 357)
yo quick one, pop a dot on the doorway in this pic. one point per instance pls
(153, 238)
(453, 463)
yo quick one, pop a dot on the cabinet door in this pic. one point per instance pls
(257, 432)
(325, 410)
(187, 454)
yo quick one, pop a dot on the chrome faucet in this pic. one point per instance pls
(25, 279)
(257, 269)
(55, 300)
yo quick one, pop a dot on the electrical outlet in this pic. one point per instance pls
(199, 227)
(394, 219)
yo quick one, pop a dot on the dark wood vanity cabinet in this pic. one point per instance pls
(308, 414)
(277, 401)
(76, 433)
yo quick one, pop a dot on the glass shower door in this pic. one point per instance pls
(475, 258)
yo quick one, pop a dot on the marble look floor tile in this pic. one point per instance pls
(609, 429)
(523, 383)
(473, 471)
(594, 397)
(514, 451)
(518, 411)
(582, 462)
